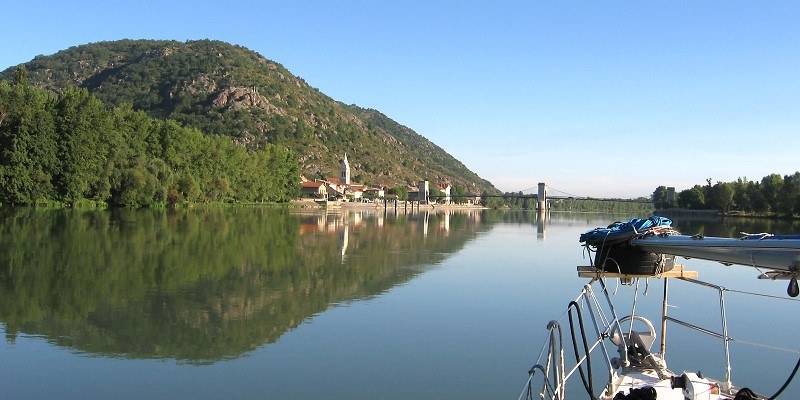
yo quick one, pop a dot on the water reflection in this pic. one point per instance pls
(711, 225)
(541, 225)
(202, 285)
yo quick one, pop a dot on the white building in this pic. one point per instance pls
(344, 171)
(445, 189)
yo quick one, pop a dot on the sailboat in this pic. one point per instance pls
(633, 369)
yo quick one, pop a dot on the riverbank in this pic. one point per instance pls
(379, 205)
(716, 213)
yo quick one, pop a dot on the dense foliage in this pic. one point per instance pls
(70, 148)
(521, 201)
(634, 207)
(516, 201)
(228, 90)
(774, 194)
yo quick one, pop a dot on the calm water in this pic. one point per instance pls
(254, 303)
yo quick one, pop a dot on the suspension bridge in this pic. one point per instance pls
(541, 194)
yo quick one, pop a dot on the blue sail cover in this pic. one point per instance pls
(621, 231)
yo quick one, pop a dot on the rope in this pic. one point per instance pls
(765, 346)
(547, 386)
(759, 294)
(588, 385)
(789, 380)
(747, 393)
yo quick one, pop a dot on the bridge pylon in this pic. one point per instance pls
(542, 198)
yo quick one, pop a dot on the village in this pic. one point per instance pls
(343, 190)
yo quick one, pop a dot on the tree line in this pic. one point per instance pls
(70, 149)
(521, 201)
(773, 194)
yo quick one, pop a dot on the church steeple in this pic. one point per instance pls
(344, 170)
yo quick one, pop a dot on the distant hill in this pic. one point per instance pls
(223, 89)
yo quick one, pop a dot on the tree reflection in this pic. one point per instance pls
(201, 285)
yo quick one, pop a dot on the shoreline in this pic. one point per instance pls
(378, 205)
(720, 214)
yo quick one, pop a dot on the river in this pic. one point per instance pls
(269, 303)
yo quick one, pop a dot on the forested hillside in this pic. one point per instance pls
(222, 89)
(70, 148)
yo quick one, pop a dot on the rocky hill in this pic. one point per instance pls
(223, 89)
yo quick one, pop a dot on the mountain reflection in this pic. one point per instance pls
(202, 285)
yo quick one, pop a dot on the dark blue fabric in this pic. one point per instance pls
(620, 231)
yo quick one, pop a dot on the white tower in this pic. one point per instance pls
(344, 171)
(424, 192)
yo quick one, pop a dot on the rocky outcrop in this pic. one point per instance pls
(237, 98)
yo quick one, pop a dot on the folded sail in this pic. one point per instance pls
(761, 251)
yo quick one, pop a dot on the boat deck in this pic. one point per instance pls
(677, 272)
(640, 377)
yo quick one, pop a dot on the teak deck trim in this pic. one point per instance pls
(676, 272)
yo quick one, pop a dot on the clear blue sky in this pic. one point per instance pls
(594, 98)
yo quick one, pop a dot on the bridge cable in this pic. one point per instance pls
(568, 194)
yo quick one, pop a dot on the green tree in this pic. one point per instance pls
(21, 76)
(436, 194)
(282, 168)
(82, 124)
(400, 191)
(458, 195)
(741, 194)
(692, 198)
(770, 189)
(660, 197)
(28, 144)
(491, 202)
(756, 197)
(721, 196)
(789, 195)
(187, 187)
(139, 187)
